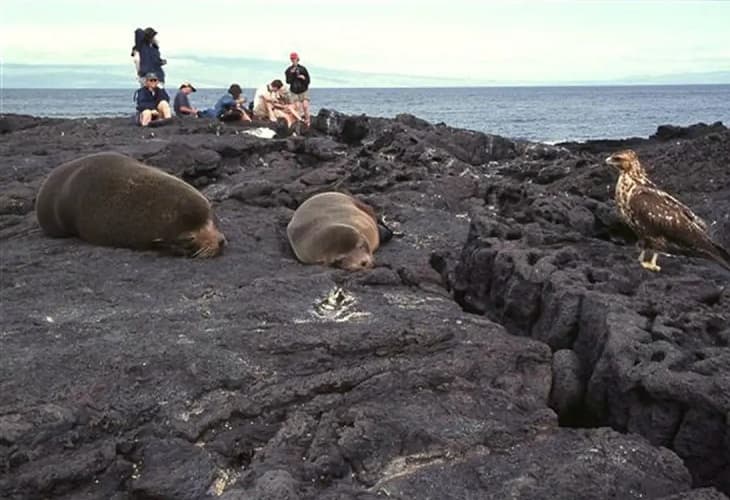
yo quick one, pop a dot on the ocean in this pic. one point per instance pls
(547, 114)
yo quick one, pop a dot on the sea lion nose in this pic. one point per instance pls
(222, 241)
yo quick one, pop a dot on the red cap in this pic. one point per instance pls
(293, 55)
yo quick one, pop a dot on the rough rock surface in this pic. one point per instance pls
(133, 375)
(641, 352)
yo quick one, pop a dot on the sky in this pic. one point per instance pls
(475, 42)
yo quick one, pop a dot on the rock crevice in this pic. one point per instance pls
(133, 375)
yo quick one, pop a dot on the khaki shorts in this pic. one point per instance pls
(262, 114)
(304, 96)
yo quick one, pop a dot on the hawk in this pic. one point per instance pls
(661, 222)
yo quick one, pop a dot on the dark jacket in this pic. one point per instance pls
(149, 56)
(296, 84)
(148, 100)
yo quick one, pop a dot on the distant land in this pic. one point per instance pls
(219, 72)
(713, 77)
(206, 72)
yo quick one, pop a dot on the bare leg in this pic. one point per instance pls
(291, 110)
(270, 111)
(286, 115)
(289, 117)
(164, 109)
(641, 255)
(145, 117)
(305, 106)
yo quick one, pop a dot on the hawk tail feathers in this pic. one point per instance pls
(721, 256)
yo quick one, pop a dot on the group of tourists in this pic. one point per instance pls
(273, 101)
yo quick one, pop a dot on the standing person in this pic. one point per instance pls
(181, 104)
(297, 77)
(135, 58)
(269, 105)
(153, 102)
(146, 53)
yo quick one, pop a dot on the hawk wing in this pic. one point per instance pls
(660, 216)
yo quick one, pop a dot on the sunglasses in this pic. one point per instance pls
(152, 80)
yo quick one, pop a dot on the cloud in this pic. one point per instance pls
(458, 39)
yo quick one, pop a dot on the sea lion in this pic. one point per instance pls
(113, 200)
(335, 229)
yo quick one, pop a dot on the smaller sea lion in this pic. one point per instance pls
(113, 200)
(337, 230)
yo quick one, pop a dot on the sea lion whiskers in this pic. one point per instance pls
(356, 259)
(210, 238)
(205, 252)
(205, 242)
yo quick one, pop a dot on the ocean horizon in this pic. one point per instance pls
(545, 113)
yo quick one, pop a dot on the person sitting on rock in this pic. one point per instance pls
(231, 107)
(153, 102)
(181, 105)
(269, 104)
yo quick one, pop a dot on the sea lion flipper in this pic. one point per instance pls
(385, 233)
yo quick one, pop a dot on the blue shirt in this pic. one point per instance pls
(224, 103)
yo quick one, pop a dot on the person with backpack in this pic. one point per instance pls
(153, 102)
(297, 77)
(146, 54)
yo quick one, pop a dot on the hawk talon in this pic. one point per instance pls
(651, 265)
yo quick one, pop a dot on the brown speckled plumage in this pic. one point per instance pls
(661, 222)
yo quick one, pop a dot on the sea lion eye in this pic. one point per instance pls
(364, 263)
(185, 238)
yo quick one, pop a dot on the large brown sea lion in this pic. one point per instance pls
(113, 200)
(335, 229)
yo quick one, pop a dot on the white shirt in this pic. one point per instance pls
(262, 93)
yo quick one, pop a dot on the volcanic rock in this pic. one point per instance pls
(508, 303)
